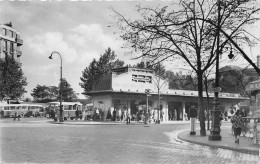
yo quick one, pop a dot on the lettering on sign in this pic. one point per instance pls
(142, 78)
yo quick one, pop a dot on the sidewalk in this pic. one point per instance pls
(227, 141)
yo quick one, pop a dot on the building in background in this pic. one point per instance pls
(125, 89)
(10, 42)
(254, 89)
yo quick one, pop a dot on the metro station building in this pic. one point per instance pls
(124, 88)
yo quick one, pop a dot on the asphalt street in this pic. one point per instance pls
(35, 140)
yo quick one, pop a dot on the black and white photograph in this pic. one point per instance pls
(129, 81)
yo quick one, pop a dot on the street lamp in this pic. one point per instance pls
(147, 91)
(231, 55)
(215, 126)
(50, 57)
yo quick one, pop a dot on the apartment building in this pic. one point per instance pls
(10, 42)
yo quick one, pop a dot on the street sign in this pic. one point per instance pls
(217, 89)
(148, 95)
(147, 91)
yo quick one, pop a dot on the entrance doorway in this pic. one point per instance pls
(174, 111)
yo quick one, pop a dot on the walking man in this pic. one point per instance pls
(193, 115)
(127, 117)
(16, 115)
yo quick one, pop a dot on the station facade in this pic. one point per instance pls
(125, 89)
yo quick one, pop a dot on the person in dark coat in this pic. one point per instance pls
(77, 114)
(193, 115)
(114, 115)
(109, 114)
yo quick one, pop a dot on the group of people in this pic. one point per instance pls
(118, 115)
(172, 115)
(98, 114)
(236, 120)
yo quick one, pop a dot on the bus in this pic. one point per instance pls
(24, 110)
(69, 109)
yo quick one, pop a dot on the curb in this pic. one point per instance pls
(247, 151)
(112, 123)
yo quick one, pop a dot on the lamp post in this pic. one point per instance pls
(215, 126)
(50, 57)
(147, 91)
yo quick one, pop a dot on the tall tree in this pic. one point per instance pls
(97, 69)
(235, 81)
(180, 81)
(40, 93)
(158, 68)
(13, 80)
(45, 93)
(67, 92)
(195, 32)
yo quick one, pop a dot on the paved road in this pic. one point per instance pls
(36, 141)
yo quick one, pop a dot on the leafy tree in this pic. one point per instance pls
(235, 81)
(67, 92)
(51, 93)
(194, 34)
(158, 68)
(183, 82)
(97, 69)
(40, 93)
(28, 99)
(13, 81)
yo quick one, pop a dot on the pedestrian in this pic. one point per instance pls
(170, 115)
(122, 116)
(221, 117)
(244, 112)
(114, 115)
(125, 113)
(16, 115)
(193, 115)
(185, 117)
(128, 118)
(109, 114)
(119, 114)
(237, 124)
(174, 114)
(68, 116)
(100, 114)
(226, 115)
(97, 114)
(161, 115)
(77, 114)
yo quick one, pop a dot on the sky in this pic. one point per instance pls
(80, 31)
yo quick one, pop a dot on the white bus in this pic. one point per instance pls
(69, 109)
(8, 110)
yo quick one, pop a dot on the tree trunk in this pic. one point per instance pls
(200, 104)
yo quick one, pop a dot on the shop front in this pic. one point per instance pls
(124, 89)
